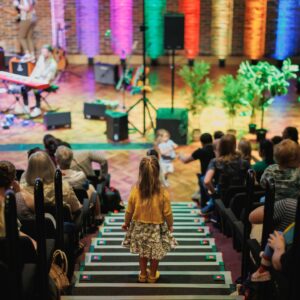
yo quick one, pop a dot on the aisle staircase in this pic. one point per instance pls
(195, 270)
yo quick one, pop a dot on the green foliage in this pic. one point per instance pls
(265, 81)
(198, 85)
(233, 98)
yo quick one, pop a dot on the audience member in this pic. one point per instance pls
(218, 134)
(7, 181)
(245, 150)
(41, 166)
(290, 133)
(276, 139)
(227, 169)
(204, 154)
(76, 179)
(266, 153)
(285, 172)
(149, 220)
(284, 216)
(50, 144)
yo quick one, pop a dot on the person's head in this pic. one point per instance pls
(162, 135)
(266, 151)
(290, 133)
(7, 174)
(40, 166)
(149, 183)
(50, 144)
(64, 157)
(47, 51)
(276, 139)
(226, 147)
(231, 131)
(287, 154)
(153, 152)
(206, 139)
(245, 149)
(218, 134)
(32, 151)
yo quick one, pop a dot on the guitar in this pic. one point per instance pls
(15, 12)
(59, 53)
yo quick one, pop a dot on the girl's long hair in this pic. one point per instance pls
(149, 183)
(227, 148)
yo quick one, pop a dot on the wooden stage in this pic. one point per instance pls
(74, 91)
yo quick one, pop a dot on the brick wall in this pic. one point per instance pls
(8, 29)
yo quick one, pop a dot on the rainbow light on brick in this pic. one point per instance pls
(88, 26)
(58, 21)
(221, 28)
(121, 27)
(191, 10)
(154, 11)
(288, 29)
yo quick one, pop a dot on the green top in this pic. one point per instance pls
(177, 114)
(115, 114)
(260, 166)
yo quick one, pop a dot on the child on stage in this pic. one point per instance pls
(149, 220)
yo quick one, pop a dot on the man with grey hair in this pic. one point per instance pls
(76, 179)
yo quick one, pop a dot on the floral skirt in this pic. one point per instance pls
(152, 241)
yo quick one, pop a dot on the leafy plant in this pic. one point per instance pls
(265, 81)
(233, 98)
(198, 85)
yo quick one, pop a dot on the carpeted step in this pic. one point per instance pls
(187, 213)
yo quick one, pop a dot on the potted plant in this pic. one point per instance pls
(268, 82)
(197, 86)
(233, 98)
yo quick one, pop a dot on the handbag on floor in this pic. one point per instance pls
(110, 200)
(59, 271)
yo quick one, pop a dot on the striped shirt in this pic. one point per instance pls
(284, 213)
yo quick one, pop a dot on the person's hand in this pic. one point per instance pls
(276, 241)
(125, 227)
(16, 187)
(171, 229)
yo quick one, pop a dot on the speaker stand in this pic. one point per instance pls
(173, 80)
(146, 102)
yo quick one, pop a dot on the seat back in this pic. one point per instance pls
(231, 192)
(51, 209)
(81, 194)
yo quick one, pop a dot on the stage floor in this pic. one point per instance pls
(90, 134)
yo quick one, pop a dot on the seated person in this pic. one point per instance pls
(245, 149)
(290, 133)
(266, 153)
(218, 134)
(7, 181)
(284, 216)
(76, 179)
(41, 166)
(83, 161)
(285, 172)
(227, 169)
(44, 70)
(204, 154)
(276, 139)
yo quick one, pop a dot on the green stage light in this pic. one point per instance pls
(154, 19)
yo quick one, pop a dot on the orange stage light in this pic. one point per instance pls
(255, 28)
(191, 10)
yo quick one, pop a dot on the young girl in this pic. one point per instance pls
(166, 148)
(149, 220)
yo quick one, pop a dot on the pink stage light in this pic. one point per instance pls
(121, 27)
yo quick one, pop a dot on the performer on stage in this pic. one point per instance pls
(44, 70)
(27, 23)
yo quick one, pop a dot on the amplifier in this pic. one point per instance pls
(94, 110)
(116, 126)
(2, 59)
(20, 68)
(106, 73)
(53, 120)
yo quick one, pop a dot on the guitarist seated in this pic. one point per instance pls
(45, 70)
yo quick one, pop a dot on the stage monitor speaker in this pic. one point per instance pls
(116, 126)
(175, 122)
(20, 68)
(2, 59)
(106, 73)
(53, 120)
(94, 110)
(174, 31)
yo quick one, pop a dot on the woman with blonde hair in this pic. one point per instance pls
(149, 220)
(41, 166)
